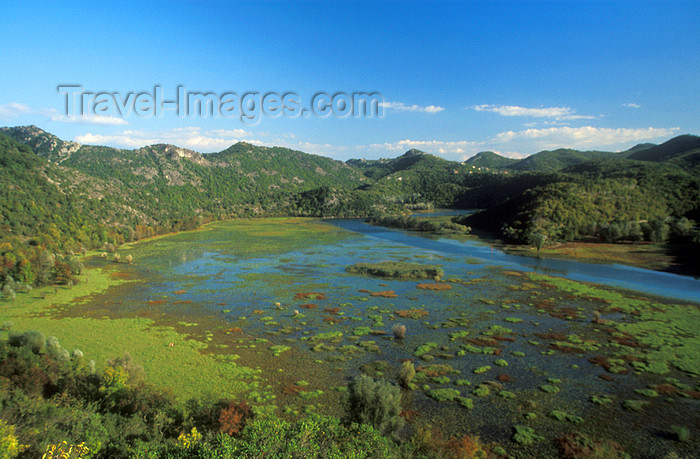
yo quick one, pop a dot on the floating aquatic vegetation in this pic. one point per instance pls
(435, 286)
(512, 320)
(562, 416)
(443, 395)
(437, 370)
(361, 331)
(459, 335)
(277, 350)
(310, 295)
(480, 350)
(506, 394)
(412, 313)
(310, 394)
(500, 363)
(369, 346)
(550, 389)
(635, 405)
(482, 369)
(424, 349)
(504, 378)
(466, 402)
(320, 347)
(482, 390)
(335, 336)
(525, 435)
(651, 393)
(496, 330)
(602, 400)
(385, 294)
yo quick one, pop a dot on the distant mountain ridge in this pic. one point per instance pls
(491, 160)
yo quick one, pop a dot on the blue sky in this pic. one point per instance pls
(456, 77)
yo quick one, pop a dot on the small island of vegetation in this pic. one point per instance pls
(397, 270)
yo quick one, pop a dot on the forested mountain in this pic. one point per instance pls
(491, 160)
(683, 151)
(557, 159)
(610, 199)
(57, 196)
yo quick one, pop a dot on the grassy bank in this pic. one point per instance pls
(645, 255)
(182, 367)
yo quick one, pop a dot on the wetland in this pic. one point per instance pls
(517, 350)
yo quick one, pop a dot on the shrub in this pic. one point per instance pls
(399, 331)
(9, 445)
(681, 433)
(577, 445)
(377, 403)
(406, 373)
(53, 345)
(30, 339)
(234, 418)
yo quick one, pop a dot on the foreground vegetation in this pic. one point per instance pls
(54, 400)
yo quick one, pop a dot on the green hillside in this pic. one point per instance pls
(683, 151)
(558, 159)
(491, 160)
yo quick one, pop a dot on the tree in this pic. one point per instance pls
(537, 240)
(377, 403)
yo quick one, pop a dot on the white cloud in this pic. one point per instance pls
(580, 137)
(54, 115)
(230, 132)
(632, 105)
(558, 113)
(13, 109)
(429, 146)
(401, 107)
(191, 137)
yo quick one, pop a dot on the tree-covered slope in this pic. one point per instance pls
(586, 199)
(557, 159)
(683, 151)
(491, 160)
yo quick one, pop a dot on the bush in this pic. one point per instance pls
(9, 445)
(234, 418)
(377, 403)
(399, 331)
(30, 339)
(406, 373)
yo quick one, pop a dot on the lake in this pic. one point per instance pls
(507, 340)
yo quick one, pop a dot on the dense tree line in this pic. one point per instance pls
(613, 201)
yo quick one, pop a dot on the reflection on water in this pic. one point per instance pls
(643, 280)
